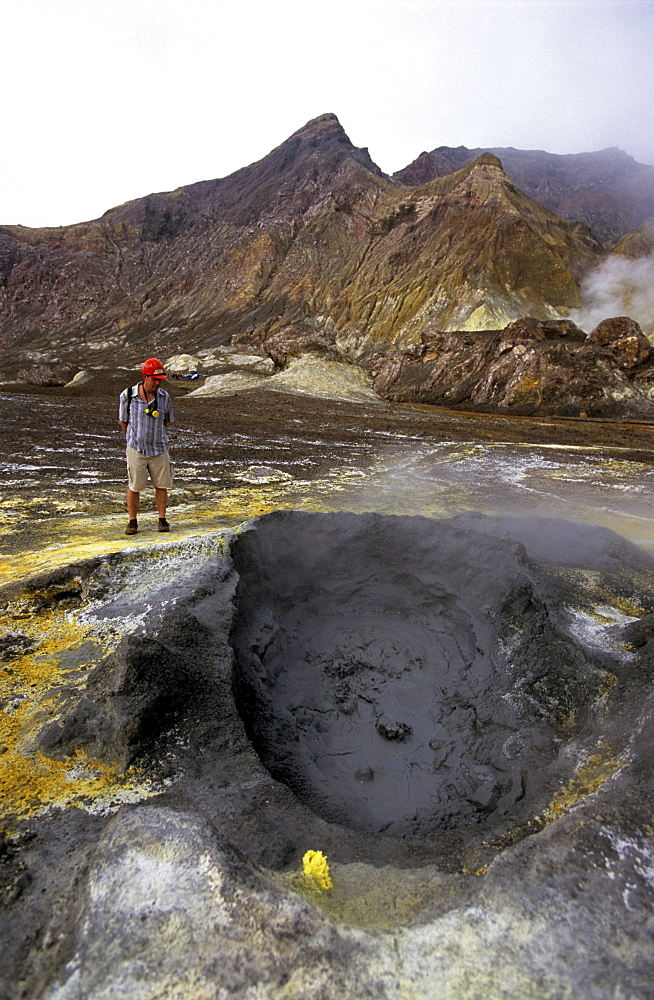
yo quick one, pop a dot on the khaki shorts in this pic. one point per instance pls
(139, 465)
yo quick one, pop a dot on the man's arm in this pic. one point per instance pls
(123, 410)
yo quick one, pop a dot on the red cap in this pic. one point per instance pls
(154, 368)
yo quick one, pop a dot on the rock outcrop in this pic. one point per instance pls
(608, 190)
(529, 367)
(308, 374)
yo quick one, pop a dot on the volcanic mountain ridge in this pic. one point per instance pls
(313, 237)
(608, 190)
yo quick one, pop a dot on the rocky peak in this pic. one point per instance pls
(488, 160)
(320, 126)
(484, 177)
(326, 134)
(310, 156)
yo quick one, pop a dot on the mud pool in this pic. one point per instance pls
(457, 709)
(403, 675)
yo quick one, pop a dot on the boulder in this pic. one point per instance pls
(289, 343)
(182, 363)
(81, 378)
(527, 328)
(625, 339)
(253, 363)
(308, 375)
(332, 378)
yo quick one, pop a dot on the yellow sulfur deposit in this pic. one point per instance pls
(587, 779)
(30, 687)
(316, 867)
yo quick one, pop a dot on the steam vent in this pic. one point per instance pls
(457, 713)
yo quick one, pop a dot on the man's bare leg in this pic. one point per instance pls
(133, 504)
(161, 497)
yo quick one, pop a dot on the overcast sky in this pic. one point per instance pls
(105, 100)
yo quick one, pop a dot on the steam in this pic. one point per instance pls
(620, 286)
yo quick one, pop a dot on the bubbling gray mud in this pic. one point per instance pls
(403, 675)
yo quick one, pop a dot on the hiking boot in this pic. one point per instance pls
(163, 524)
(132, 527)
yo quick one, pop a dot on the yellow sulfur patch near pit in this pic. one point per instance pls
(30, 684)
(587, 779)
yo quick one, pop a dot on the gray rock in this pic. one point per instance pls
(169, 910)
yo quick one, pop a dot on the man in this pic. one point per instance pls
(144, 412)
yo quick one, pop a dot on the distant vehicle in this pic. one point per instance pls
(188, 376)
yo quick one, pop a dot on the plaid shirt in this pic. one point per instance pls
(144, 433)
